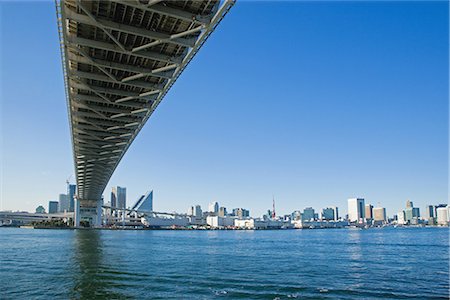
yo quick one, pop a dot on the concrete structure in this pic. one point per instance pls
(356, 210)
(120, 58)
(213, 207)
(64, 203)
(368, 211)
(428, 212)
(379, 214)
(52, 207)
(144, 203)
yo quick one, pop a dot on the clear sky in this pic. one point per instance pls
(312, 102)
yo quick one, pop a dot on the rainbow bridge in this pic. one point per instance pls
(120, 59)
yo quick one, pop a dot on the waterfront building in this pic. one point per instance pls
(222, 211)
(214, 207)
(442, 215)
(379, 214)
(119, 197)
(40, 209)
(309, 214)
(251, 223)
(144, 203)
(64, 204)
(328, 214)
(368, 211)
(241, 213)
(356, 211)
(52, 207)
(71, 190)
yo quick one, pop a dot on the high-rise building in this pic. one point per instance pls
(63, 203)
(71, 190)
(40, 209)
(308, 214)
(119, 197)
(52, 207)
(436, 207)
(411, 212)
(214, 207)
(401, 218)
(356, 211)
(198, 213)
(379, 214)
(241, 213)
(336, 212)
(328, 214)
(442, 215)
(222, 211)
(429, 212)
(368, 211)
(191, 211)
(145, 202)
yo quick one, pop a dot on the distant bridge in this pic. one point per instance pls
(120, 58)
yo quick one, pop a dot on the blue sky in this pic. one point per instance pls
(312, 102)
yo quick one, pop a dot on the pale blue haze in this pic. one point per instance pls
(312, 102)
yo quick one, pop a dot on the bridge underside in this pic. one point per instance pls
(120, 58)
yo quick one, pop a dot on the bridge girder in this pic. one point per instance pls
(120, 58)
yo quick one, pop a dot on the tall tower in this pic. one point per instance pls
(273, 208)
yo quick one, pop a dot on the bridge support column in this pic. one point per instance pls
(88, 213)
(76, 213)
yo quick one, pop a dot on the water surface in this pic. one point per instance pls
(389, 263)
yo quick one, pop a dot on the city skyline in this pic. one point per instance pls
(386, 141)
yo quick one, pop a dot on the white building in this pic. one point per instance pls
(356, 210)
(401, 218)
(250, 223)
(216, 221)
(442, 214)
